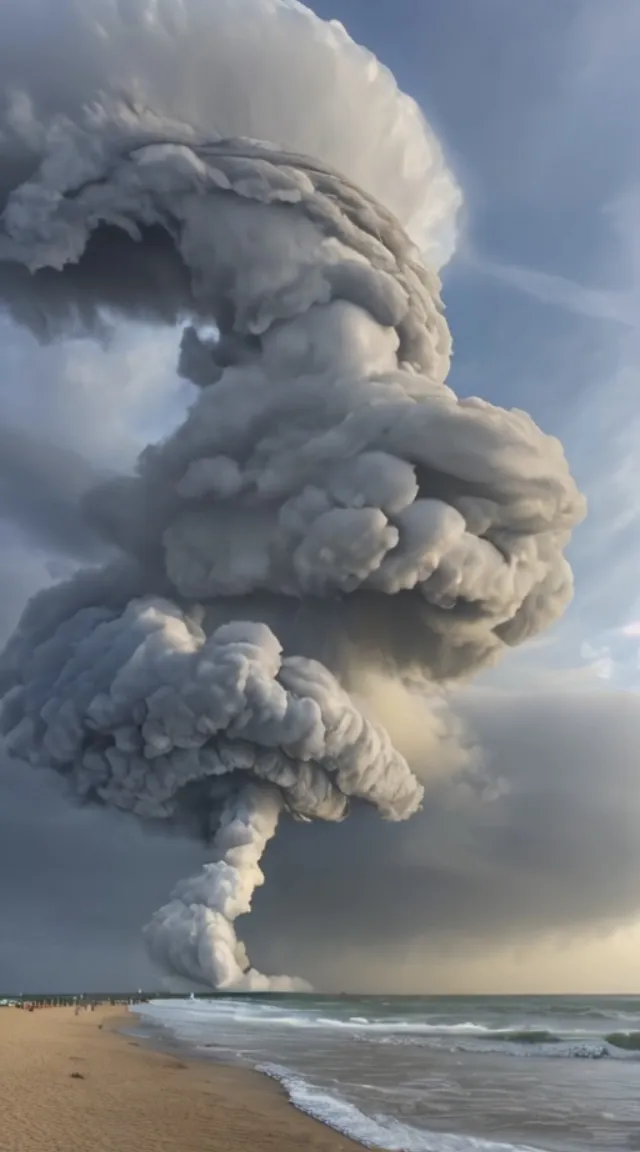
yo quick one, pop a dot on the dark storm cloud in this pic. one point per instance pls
(548, 844)
(76, 885)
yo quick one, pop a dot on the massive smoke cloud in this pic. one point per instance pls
(538, 865)
(327, 507)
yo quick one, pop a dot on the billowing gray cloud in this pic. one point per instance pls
(251, 69)
(328, 505)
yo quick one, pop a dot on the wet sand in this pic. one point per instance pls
(77, 1084)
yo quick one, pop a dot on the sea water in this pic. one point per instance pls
(437, 1074)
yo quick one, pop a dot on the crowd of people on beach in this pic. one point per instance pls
(79, 1004)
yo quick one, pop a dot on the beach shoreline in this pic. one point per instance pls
(80, 1083)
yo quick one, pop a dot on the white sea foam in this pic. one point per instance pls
(399, 1027)
(375, 1131)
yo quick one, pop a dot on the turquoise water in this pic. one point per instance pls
(438, 1074)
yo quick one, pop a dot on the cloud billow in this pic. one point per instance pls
(327, 507)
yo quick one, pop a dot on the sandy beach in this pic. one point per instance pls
(77, 1084)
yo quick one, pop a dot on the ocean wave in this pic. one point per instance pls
(400, 1027)
(379, 1131)
(242, 1012)
(523, 1043)
(590, 1012)
(515, 1039)
(629, 1041)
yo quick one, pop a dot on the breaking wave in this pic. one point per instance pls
(375, 1131)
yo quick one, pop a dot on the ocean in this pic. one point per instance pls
(436, 1074)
